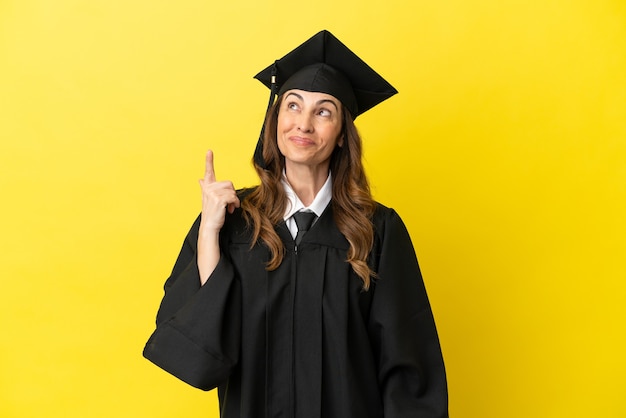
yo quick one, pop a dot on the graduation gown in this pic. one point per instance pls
(304, 340)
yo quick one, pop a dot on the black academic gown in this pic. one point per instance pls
(304, 340)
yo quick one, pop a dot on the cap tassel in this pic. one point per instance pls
(258, 152)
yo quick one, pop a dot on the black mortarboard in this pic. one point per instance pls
(325, 65)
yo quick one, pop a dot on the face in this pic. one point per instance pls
(309, 128)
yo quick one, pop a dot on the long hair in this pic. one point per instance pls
(352, 202)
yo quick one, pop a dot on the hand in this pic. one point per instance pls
(217, 197)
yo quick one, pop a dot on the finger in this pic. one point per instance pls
(232, 205)
(209, 172)
(229, 195)
(220, 193)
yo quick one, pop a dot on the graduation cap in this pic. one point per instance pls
(323, 64)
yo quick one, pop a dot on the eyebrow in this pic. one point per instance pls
(319, 102)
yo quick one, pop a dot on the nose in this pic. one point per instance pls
(305, 124)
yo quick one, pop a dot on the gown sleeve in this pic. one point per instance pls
(411, 371)
(197, 337)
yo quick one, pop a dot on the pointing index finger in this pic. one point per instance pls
(209, 172)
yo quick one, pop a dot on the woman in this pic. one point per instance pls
(328, 319)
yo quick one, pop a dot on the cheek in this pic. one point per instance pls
(280, 130)
(283, 122)
(281, 147)
(280, 139)
(335, 134)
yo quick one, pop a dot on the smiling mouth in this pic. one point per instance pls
(298, 140)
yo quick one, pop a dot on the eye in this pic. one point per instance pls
(292, 106)
(324, 112)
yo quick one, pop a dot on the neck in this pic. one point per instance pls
(306, 181)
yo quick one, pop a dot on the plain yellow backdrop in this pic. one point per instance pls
(504, 153)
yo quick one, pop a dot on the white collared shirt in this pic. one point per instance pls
(322, 199)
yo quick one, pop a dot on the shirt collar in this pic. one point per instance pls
(319, 204)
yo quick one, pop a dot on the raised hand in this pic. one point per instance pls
(217, 198)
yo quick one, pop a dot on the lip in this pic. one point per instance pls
(300, 140)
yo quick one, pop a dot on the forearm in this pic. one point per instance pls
(217, 199)
(208, 252)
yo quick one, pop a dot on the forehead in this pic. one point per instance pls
(311, 96)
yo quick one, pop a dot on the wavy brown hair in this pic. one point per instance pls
(352, 202)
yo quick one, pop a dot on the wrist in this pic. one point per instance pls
(207, 231)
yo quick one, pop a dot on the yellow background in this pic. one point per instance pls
(504, 153)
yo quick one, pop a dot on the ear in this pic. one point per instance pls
(340, 141)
